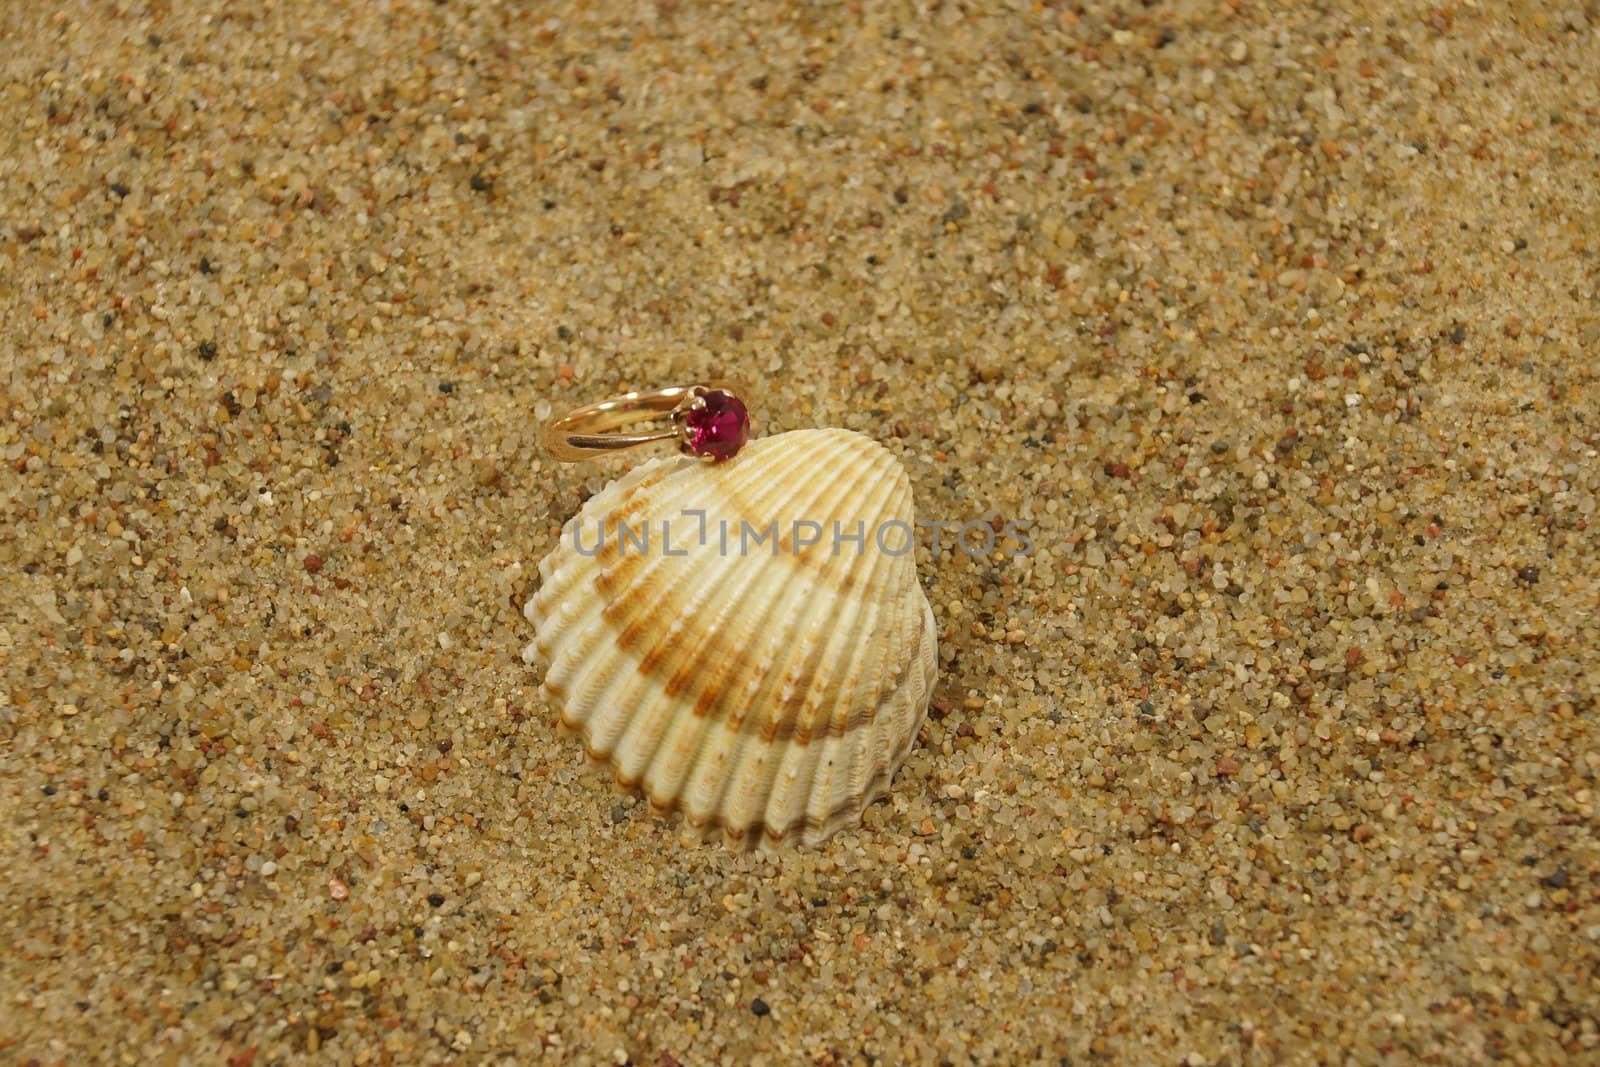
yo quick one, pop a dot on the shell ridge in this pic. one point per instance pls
(664, 777)
(858, 741)
(617, 705)
(684, 655)
(692, 766)
(929, 658)
(802, 653)
(593, 700)
(554, 585)
(888, 571)
(561, 662)
(841, 642)
(748, 495)
(859, 639)
(791, 787)
(748, 783)
(711, 598)
(833, 450)
(863, 477)
(739, 729)
(894, 709)
(909, 699)
(781, 593)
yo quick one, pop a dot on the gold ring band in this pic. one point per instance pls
(708, 420)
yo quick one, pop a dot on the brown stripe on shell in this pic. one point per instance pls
(792, 724)
(635, 610)
(708, 684)
(705, 661)
(845, 573)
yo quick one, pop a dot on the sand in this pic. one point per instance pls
(1276, 324)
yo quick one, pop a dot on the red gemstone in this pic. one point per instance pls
(720, 427)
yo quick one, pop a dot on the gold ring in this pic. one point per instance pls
(709, 421)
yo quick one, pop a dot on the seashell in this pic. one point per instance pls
(759, 685)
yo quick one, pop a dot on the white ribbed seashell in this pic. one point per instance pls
(770, 692)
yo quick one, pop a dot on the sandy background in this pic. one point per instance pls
(1278, 324)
